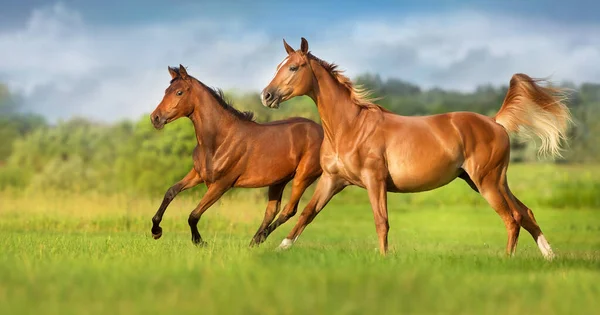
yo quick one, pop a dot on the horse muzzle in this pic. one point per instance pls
(270, 98)
(158, 121)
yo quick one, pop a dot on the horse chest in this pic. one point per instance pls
(344, 166)
(209, 168)
(200, 167)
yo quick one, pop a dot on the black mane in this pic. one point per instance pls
(220, 97)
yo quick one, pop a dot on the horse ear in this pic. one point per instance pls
(183, 72)
(288, 48)
(173, 73)
(304, 46)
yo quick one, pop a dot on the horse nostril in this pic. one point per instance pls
(268, 96)
(155, 118)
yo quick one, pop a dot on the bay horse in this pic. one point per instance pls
(235, 151)
(368, 146)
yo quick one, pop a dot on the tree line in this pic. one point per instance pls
(82, 155)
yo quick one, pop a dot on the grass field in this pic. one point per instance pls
(92, 254)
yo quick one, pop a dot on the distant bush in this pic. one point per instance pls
(13, 177)
(576, 193)
(70, 175)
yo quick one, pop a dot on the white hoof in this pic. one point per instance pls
(549, 255)
(545, 248)
(285, 244)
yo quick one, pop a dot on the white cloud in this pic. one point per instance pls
(64, 67)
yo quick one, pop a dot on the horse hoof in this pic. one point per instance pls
(156, 233)
(285, 244)
(256, 241)
(199, 243)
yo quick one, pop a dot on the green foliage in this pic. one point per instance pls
(68, 175)
(150, 161)
(13, 124)
(576, 191)
(408, 99)
(5, 100)
(14, 177)
(80, 155)
(585, 136)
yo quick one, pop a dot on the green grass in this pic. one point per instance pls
(92, 254)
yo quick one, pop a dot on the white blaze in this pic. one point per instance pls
(280, 66)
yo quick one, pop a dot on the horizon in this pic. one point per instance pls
(75, 59)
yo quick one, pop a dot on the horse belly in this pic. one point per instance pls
(267, 168)
(258, 180)
(422, 169)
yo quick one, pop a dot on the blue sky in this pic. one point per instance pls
(290, 15)
(107, 59)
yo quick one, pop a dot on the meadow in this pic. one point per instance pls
(89, 253)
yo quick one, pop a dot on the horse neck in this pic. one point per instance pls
(211, 121)
(336, 109)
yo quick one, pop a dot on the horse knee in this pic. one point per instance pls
(513, 227)
(518, 217)
(291, 213)
(307, 216)
(172, 192)
(382, 226)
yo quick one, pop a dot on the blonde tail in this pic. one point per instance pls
(533, 110)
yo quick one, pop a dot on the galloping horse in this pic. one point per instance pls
(368, 146)
(235, 151)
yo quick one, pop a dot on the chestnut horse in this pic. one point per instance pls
(368, 146)
(235, 151)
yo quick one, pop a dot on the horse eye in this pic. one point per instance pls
(179, 93)
(293, 68)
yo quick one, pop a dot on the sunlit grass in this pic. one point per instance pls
(93, 254)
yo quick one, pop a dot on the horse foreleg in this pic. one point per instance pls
(190, 180)
(214, 192)
(376, 187)
(299, 186)
(327, 187)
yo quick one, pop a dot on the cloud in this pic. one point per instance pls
(64, 67)
(463, 49)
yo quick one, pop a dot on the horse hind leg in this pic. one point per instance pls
(495, 200)
(491, 187)
(299, 186)
(494, 188)
(275, 194)
(307, 172)
(524, 216)
(464, 176)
